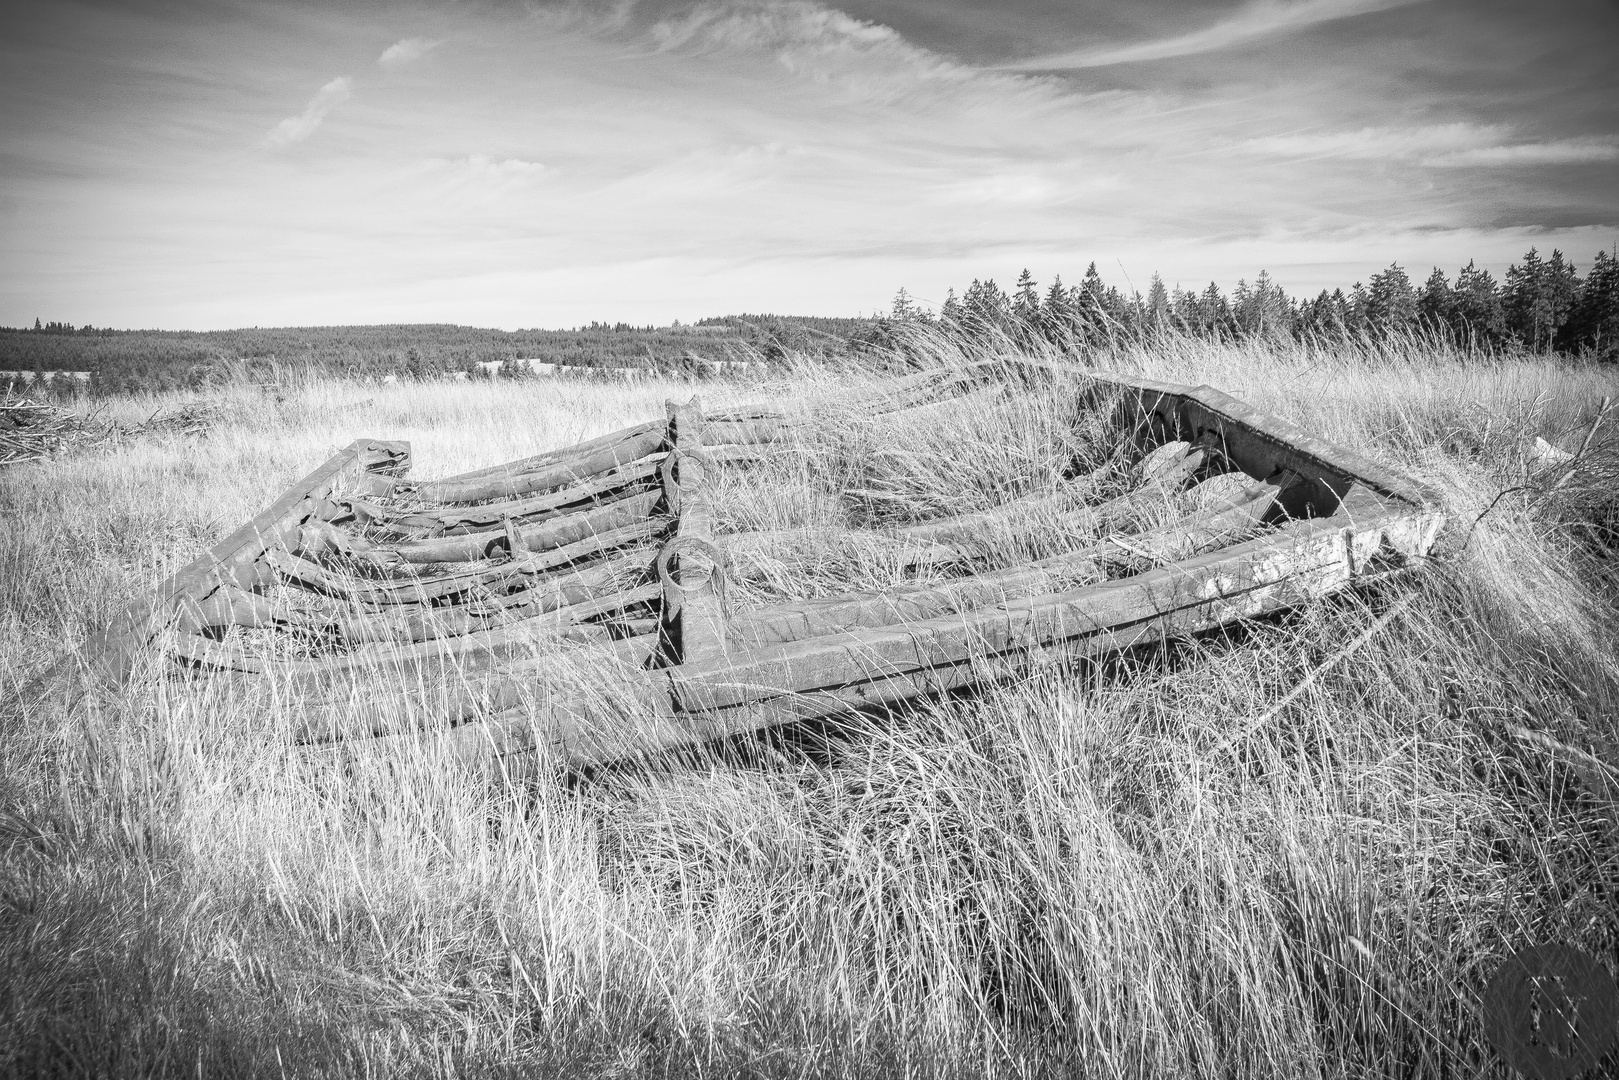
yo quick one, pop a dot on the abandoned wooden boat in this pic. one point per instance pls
(464, 594)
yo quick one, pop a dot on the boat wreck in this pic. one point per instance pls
(444, 609)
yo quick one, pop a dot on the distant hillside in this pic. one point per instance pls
(128, 360)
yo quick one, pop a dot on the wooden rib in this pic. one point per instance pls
(1260, 444)
(552, 533)
(1191, 536)
(565, 623)
(911, 553)
(691, 610)
(230, 606)
(1086, 519)
(358, 714)
(427, 589)
(689, 704)
(750, 432)
(233, 559)
(976, 523)
(553, 457)
(634, 445)
(564, 729)
(1303, 560)
(492, 515)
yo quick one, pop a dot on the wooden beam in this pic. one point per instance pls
(413, 524)
(633, 445)
(693, 600)
(427, 589)
(1193, 535)
(113, 651)
(510, 469)
(1301, 561)
(554, 532)
(1260, 444)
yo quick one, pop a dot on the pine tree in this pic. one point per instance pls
(987, 308)
(1593, 321)
(1244, 313)
(904, 308)
(1436, 303)
(1563, 288)
(1054, 314)
(1539, 297)
(1391, 303)
(1479, 315)
(1157, 313)
(1026, 301)
(1213, 312)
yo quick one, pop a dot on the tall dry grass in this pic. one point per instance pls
(1069, 873)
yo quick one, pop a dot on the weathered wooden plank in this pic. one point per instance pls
(497, 643)
(1193, 535)
(550, 476)
(755, 431)
(693, 608)
(555, 532)
(360, 710)
(1299, 550)
(231, 606)
(1097, 518)
(691, 704)
(558, 730)
(425, 590)
(554, 457)
(112, 652)
(1260, 444)
(411, 524)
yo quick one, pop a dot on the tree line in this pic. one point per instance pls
(1543, 304)
(126, 361)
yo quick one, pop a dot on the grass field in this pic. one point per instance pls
(1066, 874)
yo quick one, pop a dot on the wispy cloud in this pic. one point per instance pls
(405, 50)
(1554, 152)
(1257, 20)
(1440, 145)
(296, 129)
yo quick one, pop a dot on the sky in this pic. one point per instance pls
(547, 164)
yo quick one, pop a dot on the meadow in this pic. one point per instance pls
(1073, 873)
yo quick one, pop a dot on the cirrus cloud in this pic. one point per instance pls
(295, 129)
(1439, 145)
(405, 50)
(1257, 20)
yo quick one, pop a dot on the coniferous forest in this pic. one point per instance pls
(1543, 305)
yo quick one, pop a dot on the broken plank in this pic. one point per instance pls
(548, 477)
(562, 531)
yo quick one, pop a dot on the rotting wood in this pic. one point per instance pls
(550, 458)
(1191, 536)
(604, 517)
(426, 590)
(883, 666)
(549, 477)
(693, 600)
(113, 651)
(514, 638)
(414, 524)
(1335, 519)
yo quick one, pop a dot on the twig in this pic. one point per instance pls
(1546, 742)
(1309, 680)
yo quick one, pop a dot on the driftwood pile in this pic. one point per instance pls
(33, 430)
(454, 604)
